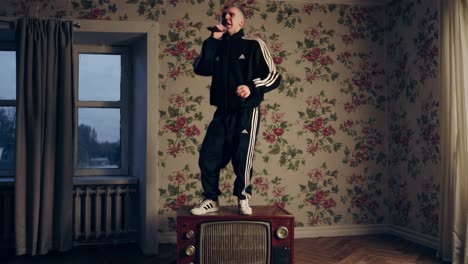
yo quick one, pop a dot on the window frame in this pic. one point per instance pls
(8, 103)
(126, 77)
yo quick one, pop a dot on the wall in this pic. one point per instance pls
(414, 106)
(329, 132)
(322, 143)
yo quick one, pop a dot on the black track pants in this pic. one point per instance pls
(230, 137)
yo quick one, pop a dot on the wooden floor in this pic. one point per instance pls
(372, 249)
(375, 249)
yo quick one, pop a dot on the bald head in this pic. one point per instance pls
(233, 19)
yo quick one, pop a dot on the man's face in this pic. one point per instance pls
(233, 20)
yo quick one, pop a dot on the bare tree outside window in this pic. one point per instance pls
(7, 111)
(101, 111)
(98, 138)
(7, 137)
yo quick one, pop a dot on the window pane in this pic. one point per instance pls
(7, 137)
(7, 75)
(98, 138)
(99, 77)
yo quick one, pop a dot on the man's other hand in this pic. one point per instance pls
(243, 91)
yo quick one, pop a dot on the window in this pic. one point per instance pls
(7, 111)
(101, 140)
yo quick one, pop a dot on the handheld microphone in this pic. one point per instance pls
(214, 29)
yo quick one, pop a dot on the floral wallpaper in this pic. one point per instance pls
(351, 136)
(413, 114)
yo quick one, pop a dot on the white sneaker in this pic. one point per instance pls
(244, 207)
(205, 206)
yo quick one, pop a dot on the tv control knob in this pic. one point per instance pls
(189, 250)
(189, 234)
(282, 232)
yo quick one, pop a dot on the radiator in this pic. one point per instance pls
(7, 205)
(101, 214)
(104, 213)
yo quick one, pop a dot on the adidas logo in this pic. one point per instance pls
(245, 131)
(242, 57)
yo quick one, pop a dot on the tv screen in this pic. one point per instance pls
(234, 242)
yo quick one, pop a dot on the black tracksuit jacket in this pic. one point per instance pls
(237, 60)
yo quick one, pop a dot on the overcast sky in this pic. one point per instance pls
(99, 80)
(7, 75)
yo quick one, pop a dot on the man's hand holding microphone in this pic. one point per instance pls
(217, 31)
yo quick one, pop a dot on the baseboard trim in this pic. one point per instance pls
(339, 230)
(342, 230)
(418, 238)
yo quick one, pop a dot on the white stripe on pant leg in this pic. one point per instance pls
(249, 159)
(250, 151)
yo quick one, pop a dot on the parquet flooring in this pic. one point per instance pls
(371, 249)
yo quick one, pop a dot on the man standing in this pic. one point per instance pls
(242, 71)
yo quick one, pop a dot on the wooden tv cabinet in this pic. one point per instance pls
(188, 227)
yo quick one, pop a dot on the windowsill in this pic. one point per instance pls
(104, 180)
(6, 181)
(94, 180)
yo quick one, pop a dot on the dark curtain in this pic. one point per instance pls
(44, 136)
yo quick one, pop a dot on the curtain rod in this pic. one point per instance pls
(77, 25)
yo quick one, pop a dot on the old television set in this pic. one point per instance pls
(225, 237)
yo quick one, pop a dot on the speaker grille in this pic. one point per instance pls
(234, 242)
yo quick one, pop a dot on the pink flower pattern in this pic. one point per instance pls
(178, 190)
(362, 198)
(429, 127)
(95, 10)
(317, 196)
(324, 49)
(272, 191)
(317, 124)
(178, 119)
(248, 6)
(399, 204)
(362, 23)
(400, 138)
(273, 133)
(178, 48)
(429, 206)
(426, 45)
(315, 53)
(369, 143)
(365, 86)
